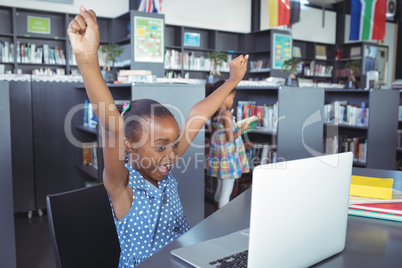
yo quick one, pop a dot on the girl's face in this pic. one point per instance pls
(159, 150)
(230, 99)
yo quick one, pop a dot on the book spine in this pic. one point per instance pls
(369, 214)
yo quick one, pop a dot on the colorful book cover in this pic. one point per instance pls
(371, 187)
(377, 215)
(388, 208)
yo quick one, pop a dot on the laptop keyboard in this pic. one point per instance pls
(235, 260)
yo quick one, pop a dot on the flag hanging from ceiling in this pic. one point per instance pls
(367, 19)
(151, 6)
(294, 11)
(279, 12)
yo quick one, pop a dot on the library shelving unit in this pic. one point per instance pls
(42, 155)
(298, 134)
(37, 40)
(317, 60)
(7, 228)
(398, 164)
(20, 102)
(52, 103)
(365, 53)
(381, 130)
(189, 169)
(259, 46)
(189, 58)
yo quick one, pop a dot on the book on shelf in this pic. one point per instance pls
(6, 51)
(356, 145)
(89, 154)
(320, 52)
(355, 52)
(267, 114)
(296, 52)
(341, 112)
(260, 153)
(90, 119)
(173, 59)
(260, 65)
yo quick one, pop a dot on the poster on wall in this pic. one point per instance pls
(39, 25)
(382, 64)
(191, 39)
(148, 39)
(282, 45)
(370, 58)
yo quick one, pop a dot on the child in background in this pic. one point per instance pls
(146, 208)
(227, 158)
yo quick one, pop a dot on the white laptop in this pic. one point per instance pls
(299, 213)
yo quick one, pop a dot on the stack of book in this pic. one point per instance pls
(375, 198)
(341, 112)
(339, 144)
(260, 154)
(267, 114)
(6, 51)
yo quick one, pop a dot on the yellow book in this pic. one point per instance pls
(371, 187)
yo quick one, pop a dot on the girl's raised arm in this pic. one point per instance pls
(84, 38)
(203, 110)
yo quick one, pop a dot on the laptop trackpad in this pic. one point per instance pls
(234, 242)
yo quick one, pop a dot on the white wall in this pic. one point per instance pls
(309, 28)
(108, 9)
(389, 40)
(226, 15)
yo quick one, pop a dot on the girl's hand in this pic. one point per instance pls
(83, 32)
(245, 127)
(238, 68)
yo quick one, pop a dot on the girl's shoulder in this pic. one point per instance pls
(225, 114)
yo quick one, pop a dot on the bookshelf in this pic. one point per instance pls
(364, 52)
(292, 138)
(259, 46)
(398, 163)
(317, 60)
(380, 133)
(22, 149)
(28, 48)
(7, 229)
(186, 57)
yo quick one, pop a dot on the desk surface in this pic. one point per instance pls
(369, 242)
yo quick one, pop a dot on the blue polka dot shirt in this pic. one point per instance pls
(155, 219)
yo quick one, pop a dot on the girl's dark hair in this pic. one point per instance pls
(209, 88)
(142, 109)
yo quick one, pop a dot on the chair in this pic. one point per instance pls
(82, 228)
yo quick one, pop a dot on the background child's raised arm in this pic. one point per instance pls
(203, 110)
(83, 32)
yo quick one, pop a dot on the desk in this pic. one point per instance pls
(369, 242)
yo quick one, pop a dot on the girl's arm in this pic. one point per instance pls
(84, 38)
(226, 119)
(203, 110)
